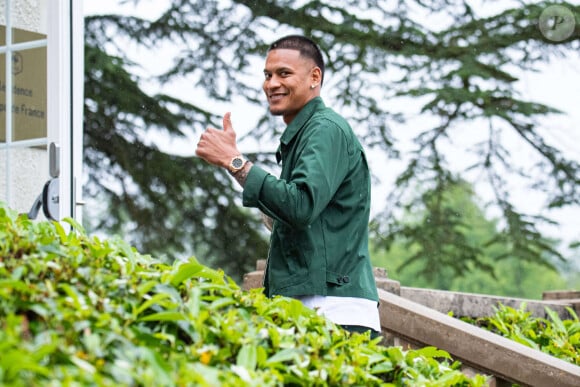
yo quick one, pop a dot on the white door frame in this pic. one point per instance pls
(65, 93)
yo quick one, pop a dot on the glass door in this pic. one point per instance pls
(39, 124)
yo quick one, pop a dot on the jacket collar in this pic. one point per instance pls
(301, 118)
(298, 122)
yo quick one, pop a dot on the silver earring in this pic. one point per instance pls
(312, 86)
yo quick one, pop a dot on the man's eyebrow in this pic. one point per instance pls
(279, 69)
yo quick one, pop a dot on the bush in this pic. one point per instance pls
(78, 310)
(554, 336)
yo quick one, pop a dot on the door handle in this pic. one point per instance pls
(54, 160)
(49, 198)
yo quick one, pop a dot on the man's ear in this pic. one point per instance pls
(316, 75)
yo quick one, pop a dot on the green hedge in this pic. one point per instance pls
(552, 335)
(79, 310)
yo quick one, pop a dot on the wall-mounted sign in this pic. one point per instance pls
(28, 89)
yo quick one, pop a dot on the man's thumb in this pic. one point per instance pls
(227, 123)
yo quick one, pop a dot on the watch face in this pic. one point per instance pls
(237, 162)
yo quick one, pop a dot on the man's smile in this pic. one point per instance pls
(276, 96)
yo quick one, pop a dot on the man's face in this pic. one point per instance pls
(288, 78)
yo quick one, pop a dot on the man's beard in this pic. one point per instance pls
(275, 112)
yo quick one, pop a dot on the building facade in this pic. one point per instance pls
(41, 104)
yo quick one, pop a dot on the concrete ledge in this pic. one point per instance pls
(561, 295)
(478, 305)
(485, 351)
(253, 280)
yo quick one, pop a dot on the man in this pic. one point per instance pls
(319, 207)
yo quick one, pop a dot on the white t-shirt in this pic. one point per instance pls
(345, 310)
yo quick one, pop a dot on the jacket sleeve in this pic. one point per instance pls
(321, 164)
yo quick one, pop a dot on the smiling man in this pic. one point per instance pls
(318, 209)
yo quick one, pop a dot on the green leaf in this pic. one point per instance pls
(146, 287)
(60, 231)
(75, 225)
(285, 355)
(76, 298)
(557, 322)
(222, 303)
(248, 357)
(164, 316)
(17, 361)
(83, 364)
(433, 352)
(10, 284)
(186, 271)
(158, 299)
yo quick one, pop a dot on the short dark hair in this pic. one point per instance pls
(306, 46)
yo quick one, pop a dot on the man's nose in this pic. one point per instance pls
(273, 82)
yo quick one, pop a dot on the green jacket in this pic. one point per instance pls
(320, 206)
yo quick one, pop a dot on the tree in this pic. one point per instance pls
(462, 74)
(166, 203)
(463, 259)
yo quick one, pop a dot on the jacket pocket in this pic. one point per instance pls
(290, 267)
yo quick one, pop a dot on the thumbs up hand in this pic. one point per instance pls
(227, 124)
(218, 147)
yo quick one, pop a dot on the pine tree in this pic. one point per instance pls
(460, 74)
